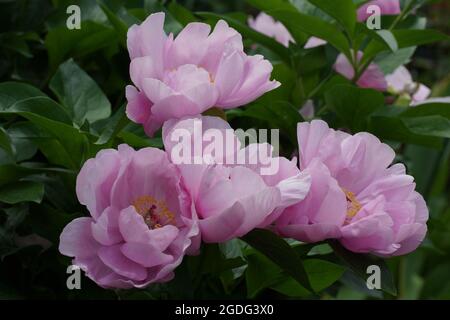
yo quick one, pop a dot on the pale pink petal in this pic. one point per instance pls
(190, 46)
(76, 239)
(138, 107)
(105, 230)
(145, 255)
(112, 257)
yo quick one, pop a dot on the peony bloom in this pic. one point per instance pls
(265, 24)
(187, 75)
(356, 195)
(137, 233)
(372, 77)
(231, 197)
(400, 81)
(387, 7)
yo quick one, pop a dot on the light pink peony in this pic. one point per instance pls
(231, 198)
(356, 195)
(187, 75)
(401, 81)
(266, 25)
(387, 7)
(137, 233)
(372, 77)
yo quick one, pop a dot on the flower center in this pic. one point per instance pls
(353, 205)
(155, 213)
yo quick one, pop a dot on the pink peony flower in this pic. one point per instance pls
(187, 75)
(137, 233)
(231, 197)
(387, 7)
(400, 81)
(372, 77)
(265, 24)
(356, 195)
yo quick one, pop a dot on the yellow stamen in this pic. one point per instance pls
(155, 213)
(354, 205)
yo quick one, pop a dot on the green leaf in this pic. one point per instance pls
(321, 273)
(434, 125)
(183, 15)
(291, 288)
(53, 119)
(22, 134)
(139, 142)
(297, 22)
(80, 94)
(344, 11)
(261, 273)
(390, 61)
(62, 42)
(5, 143)
(417, 37)
(11, 92)
(119, 25)
(353, 105)
(22, 191)
(428, 109)
(358, 263)
(112, 126)
(423, 124)
(388, 38)
(314, 27)
(281, 115)
(405, 38)
(15, 216)
(11, 172)
(388, 127)
(279, 252)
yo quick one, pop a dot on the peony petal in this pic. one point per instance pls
(105, 230)
(223, 227)
(145, 254)
(142, 68)
(190, 46)
(76, 239)
(138, 107)
(112, 257)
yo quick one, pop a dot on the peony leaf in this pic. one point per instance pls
(279, 252)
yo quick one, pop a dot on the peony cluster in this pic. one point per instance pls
(148, 210)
